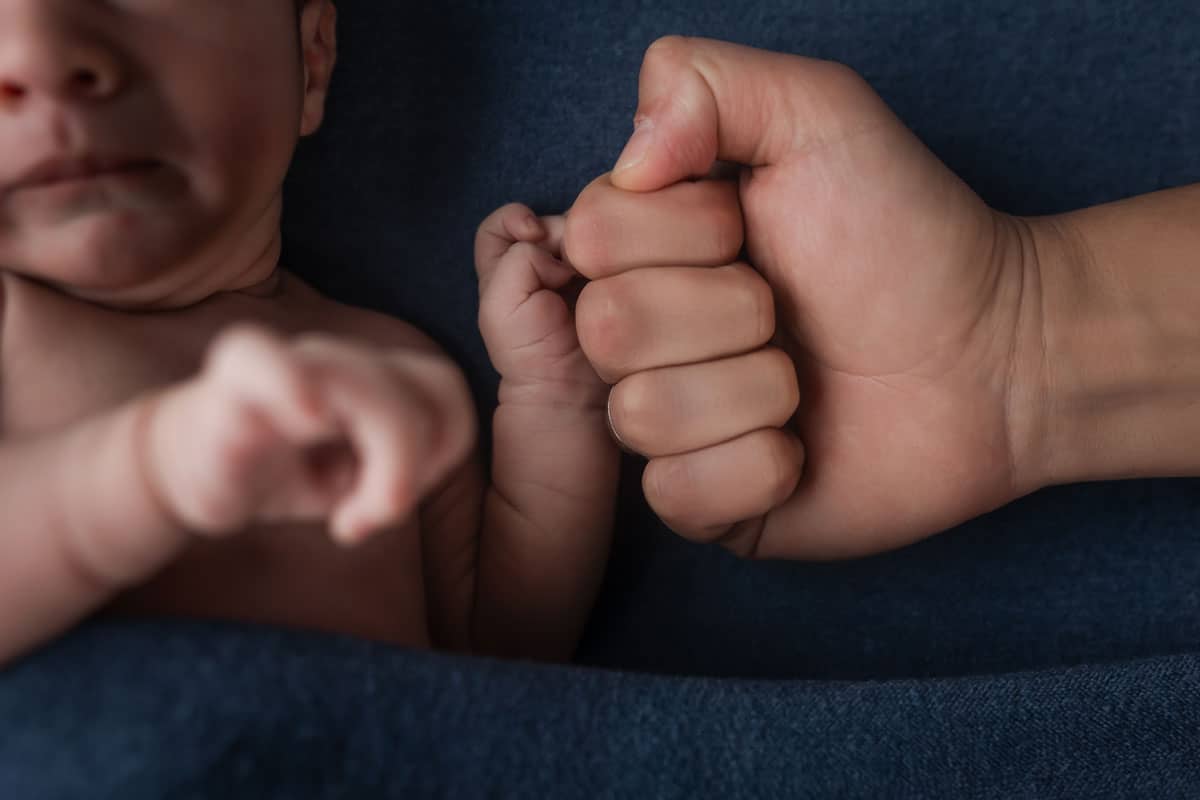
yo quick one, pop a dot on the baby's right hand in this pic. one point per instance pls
(526, 315)
(311, 429)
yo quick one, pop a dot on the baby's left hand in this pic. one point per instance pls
(526, 312)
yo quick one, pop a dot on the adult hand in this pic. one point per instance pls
(910, 309)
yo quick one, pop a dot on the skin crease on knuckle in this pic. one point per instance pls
(669, 489)
(757, 299)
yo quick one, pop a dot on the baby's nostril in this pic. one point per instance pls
(11, 91)
(85, 79)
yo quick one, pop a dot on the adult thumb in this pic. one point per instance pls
(701, 100)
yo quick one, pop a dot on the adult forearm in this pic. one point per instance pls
(78, 522)
(1120, 292)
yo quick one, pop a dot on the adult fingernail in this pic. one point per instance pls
(638, 145)
(612, 429)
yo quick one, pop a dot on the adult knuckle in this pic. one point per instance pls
(668, 52)
(782, 465)
(667, 484)
(756, 302)
(784, 385)
(844, 75)
(603, 325)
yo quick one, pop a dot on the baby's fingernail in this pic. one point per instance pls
(638, 146)
(346, 531)
(532, 225)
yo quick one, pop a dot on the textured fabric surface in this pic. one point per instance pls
(1049, 649)
(203, 712)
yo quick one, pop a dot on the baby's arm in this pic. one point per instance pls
(77, 523)
(270, 431)
(548, 514)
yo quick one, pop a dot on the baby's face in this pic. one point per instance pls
(138, 137)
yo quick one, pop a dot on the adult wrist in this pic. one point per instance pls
(1118, 383)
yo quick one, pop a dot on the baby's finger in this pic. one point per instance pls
(258, 368)
(555, 226)
(406, 427)
(680, 409)
(706, 495)
(503, 227)
(668, 316)
(525, 270)
(386, 425)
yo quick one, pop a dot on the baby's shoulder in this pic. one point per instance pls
(354, 322)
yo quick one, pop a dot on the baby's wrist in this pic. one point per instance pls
(556, 396)
(128, 532)
(148, 463)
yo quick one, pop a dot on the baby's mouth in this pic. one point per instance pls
(64, 171)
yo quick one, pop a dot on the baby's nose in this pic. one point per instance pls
(46, 49)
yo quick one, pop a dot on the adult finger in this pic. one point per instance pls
(665, 316)
(707, 494)
(680, 409)
(609, 231)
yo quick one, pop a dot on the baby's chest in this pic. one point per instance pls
(62, 359)
(55, 371)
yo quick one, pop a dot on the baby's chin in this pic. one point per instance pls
(111, 254)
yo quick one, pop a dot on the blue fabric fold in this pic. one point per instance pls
(143, 710)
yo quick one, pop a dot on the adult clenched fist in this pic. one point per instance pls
(908, 310)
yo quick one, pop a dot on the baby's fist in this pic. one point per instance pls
(318, 428)
(526, 317)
